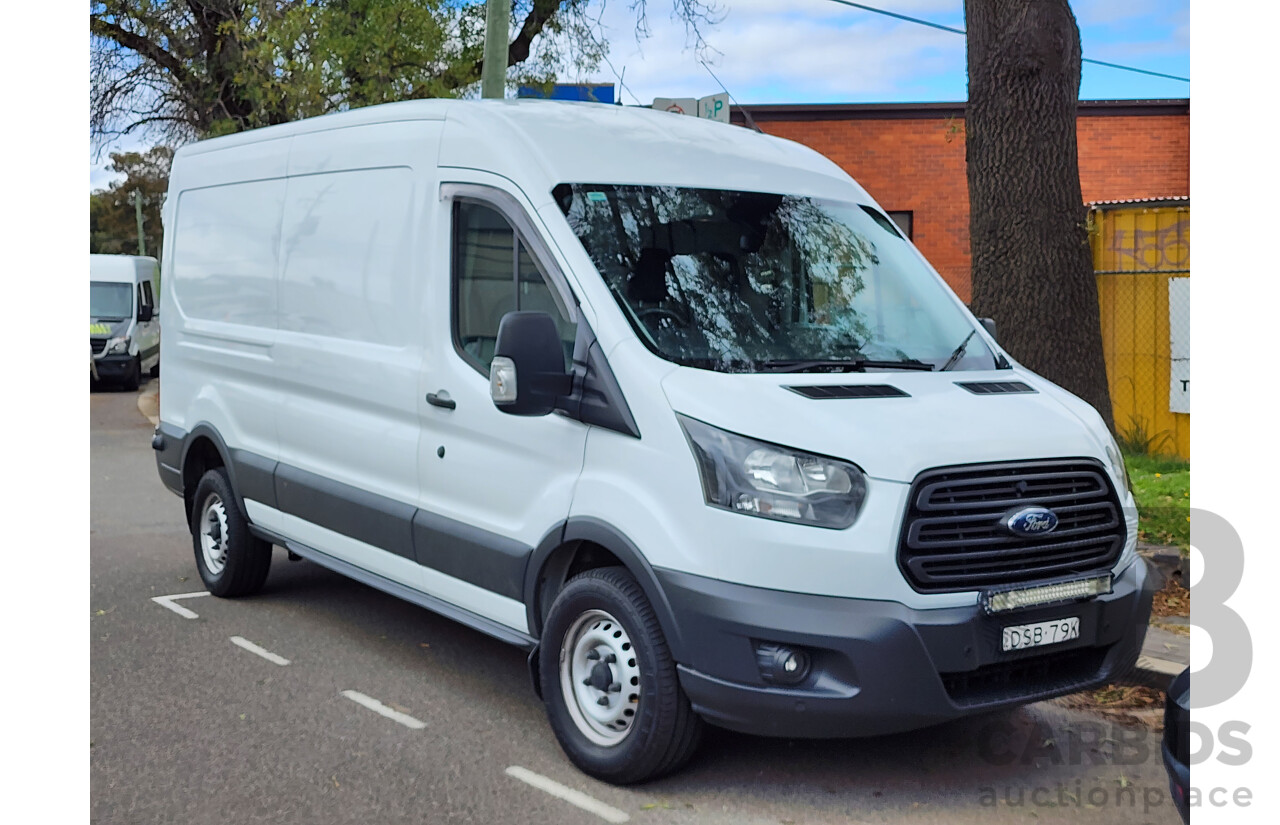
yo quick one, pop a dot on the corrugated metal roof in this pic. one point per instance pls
(934, 110)
(1169, 199)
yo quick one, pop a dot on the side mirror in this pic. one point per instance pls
(144, 314)
(526, 376)
(989, 324)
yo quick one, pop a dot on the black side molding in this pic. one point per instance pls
(361, 515)
(471, 554)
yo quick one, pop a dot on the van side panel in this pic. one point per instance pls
(350, 343)
(220, 327)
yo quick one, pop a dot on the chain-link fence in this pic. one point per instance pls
(1142, 261)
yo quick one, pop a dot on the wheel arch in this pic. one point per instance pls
(584, 543)
(203, 448)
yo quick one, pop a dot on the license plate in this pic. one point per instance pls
(1023, 636)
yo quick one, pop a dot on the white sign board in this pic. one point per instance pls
(679, 105)
(1180, 345)
(715, 107)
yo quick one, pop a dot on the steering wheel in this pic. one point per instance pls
(660, 312)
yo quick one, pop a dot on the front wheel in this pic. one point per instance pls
(231, 560)
(609, 683)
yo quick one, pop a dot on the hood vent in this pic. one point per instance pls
(995, 387)
(828, 391)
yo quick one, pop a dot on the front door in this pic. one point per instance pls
(493, 485)
(148, 332)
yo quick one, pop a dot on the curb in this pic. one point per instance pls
(1166, 563)
(149, 402)
(1155, 673)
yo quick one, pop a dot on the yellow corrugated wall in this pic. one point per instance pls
(1136, 250)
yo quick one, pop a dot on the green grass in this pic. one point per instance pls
(1162, 488)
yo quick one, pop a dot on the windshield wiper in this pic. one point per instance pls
(849, 364)
(958, 352)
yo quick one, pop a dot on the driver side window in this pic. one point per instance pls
(494, 273)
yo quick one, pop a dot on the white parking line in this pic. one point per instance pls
(167, 601)
(379, 708)
(240, 641)
(606, 812)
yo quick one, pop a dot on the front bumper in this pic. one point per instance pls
(881, 667)
(113, 366)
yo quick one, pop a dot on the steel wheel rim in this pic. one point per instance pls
(598, 662)
(213, 534)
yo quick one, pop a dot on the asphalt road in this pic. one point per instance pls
(189, 727)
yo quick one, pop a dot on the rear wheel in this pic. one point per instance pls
(609, 682)
(231, 560)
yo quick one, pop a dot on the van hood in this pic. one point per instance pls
(108, 327)
(937, 423)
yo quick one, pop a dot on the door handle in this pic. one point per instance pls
(441, 399)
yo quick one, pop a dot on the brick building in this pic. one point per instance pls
(910, 157)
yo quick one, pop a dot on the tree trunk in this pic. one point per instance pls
(1032, 268)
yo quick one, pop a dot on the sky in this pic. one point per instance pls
(818, 51)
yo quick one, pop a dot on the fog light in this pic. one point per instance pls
(780, 664)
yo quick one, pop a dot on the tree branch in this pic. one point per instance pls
(539, 15)
(137, 43)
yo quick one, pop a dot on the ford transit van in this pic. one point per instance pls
(671, 405)
(124, 332)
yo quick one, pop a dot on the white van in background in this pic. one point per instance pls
(671, 405)
(124, 330)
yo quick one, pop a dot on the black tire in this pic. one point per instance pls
(133, 378)
(237, 562)
(155, 370)
(664, 732)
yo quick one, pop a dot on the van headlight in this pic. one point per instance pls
(761, 479)
(118, 345)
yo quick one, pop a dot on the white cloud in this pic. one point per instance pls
(804, 46)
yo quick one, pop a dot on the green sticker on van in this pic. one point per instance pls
(597, 197)
(99, 329)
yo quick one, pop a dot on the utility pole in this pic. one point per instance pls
(136, 197)
(493, 79)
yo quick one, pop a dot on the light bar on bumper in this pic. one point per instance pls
(1018, 597)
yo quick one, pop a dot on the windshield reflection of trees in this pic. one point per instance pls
(731, 279)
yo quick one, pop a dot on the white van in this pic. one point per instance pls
(124, 332)
(670, 404)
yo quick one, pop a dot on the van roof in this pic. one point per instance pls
(127, 269)
(539, 143)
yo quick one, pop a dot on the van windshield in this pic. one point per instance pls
(108, 301)
(751, 282)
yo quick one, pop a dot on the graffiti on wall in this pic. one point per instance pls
(1152, 249)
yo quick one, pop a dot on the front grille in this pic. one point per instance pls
(1039, 676)
(97, 345)
(953, 537)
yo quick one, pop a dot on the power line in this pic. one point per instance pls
(900, 16)
(621, 83)
(745, 114)
(954, 30)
